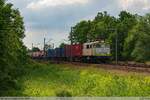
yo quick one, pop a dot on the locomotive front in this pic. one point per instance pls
(97, 51)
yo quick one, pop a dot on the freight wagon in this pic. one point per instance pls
(38, 55)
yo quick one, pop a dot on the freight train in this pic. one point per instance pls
(86, 52)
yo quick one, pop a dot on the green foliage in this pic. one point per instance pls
(126, 22)
(72, 80)
(137, 43)
(141, 51)
(62, 45)
(35, 49)
(12, 51)
(103, 25)
(81, 32)
(132, 31)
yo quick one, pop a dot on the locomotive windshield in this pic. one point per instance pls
(101, 45)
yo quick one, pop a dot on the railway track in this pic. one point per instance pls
(127, 67)
(141, 68)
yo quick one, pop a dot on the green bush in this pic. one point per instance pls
(12, 51)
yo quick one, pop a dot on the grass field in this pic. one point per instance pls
(70, 80)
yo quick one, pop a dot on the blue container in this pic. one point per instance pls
(51, 53)
(60, 52)
(57, 52)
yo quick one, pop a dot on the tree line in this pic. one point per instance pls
(131, 30)
(12, 51)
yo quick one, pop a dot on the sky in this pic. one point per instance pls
(52, 19)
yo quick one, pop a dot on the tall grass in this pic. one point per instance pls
(63, 80)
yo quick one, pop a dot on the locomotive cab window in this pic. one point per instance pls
(88, 46)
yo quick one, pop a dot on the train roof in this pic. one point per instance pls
(89, 43)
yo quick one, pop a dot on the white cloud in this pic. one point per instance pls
(134, 4)
(51, 3)
(57, 16)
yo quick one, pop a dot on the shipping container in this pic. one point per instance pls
(58, 53)
(62, 52)
(51, 53)
(73, 50)
(67, 50)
